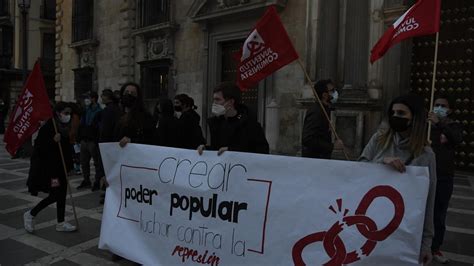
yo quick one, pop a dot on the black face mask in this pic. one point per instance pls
(178, 108)
(128, 100)
(399, 124)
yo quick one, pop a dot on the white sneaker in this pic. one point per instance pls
(29, 222)
(440, 258)
(65, 227)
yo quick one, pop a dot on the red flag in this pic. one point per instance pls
(421, 19)
(267, 49)
(31, 108)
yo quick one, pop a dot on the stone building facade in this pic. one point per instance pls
(184, 46)
(40, 45)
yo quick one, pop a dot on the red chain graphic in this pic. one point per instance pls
(333, 244)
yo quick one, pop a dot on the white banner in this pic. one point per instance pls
(167, 206)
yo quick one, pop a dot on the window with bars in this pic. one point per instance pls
(6, 46)
(82, 20)
(48, 9)
(151, 12)
(4, 8)
(154, 79)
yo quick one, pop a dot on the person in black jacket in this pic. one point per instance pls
(46, 168)
(89, 137)
(446, 134)
(189, 133)
(109, 116)
(231, 127)
(136, 124)
(166, 124)
(316, 139)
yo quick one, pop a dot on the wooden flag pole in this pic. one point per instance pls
(435, 63)
(321, 105)
(65, 173)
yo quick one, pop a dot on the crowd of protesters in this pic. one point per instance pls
(399, 142)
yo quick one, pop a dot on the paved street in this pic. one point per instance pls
(46, 246)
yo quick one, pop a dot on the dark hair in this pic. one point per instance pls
(418, 134)
(60, 106)
(322, 86)
(108, 93)
(166, 107)
(186, 100)
(443, 95)
(136, 116)
(229, 91)
(94, 95)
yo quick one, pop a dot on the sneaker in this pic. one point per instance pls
(440, 258)
(29, 222)
(84, 184)
(65, 227)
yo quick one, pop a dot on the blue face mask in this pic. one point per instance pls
(441, 112)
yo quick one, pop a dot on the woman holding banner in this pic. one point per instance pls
(46, 170)
(405, 143)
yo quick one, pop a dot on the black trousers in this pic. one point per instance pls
(58, 195)
(444, 190)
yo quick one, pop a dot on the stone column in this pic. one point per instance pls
(356, 42)
(376, 30)
(272, 125)
(327, 44)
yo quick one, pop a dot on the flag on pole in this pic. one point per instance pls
(31, 108)
(267, 49)
(421, 19)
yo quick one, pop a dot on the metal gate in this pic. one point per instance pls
(454, 70)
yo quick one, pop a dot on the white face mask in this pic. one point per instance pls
(334, 96)
(218, 109)
(441, 112)
(64, 118)
(87, 102)
(178, 114)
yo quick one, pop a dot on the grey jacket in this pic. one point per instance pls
(373, 153)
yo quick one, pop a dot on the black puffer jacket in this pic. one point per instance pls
(46, 162)
(189, 133)
(316, 139)
(238, 133)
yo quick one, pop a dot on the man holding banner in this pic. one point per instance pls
(232, 128)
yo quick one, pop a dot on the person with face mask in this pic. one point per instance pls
(316, 137)
(135, 124)
(89, 140)
(446, 134)
(232, 128)
(405, 143)
(46, 168)
(189, 132)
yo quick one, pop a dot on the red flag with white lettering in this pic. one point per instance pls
(31, 108)
(267, 49)
(421, 19)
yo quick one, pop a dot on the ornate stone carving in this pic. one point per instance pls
(87, 57)
(157, 48)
